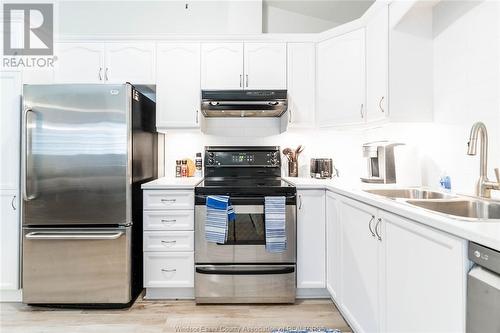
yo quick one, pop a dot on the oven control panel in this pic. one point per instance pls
(249, 158)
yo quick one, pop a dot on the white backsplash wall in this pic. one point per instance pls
(466, 49)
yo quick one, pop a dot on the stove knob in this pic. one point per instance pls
(211, 154)
(211, 161)
(274, 161)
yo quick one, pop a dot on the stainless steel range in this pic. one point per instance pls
(241, 270)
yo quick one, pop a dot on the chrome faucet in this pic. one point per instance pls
(484, 186)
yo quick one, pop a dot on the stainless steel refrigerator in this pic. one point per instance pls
(86, 149)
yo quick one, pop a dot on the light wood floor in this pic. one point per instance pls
(172, 316)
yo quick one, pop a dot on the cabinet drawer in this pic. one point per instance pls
(158, 199)
(169, 269)
(169, 220)
(172, 241)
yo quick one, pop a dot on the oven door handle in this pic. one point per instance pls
(239, 271)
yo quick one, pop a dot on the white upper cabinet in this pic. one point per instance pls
(377, 65)
(360, 265)
(79, 63)
(236, 66)
(311, 239)
(105, 63)
(340, 93)
(221, 66)
(130, 62)
(265, 66)
(301, 83)
(10, 118)
(178, 85)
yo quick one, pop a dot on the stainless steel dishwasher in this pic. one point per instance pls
(483, 290)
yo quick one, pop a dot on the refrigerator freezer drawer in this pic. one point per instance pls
(76, 266)
(245, 283)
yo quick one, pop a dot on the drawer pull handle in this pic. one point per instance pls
(168, 200)
(168, 270)
(169, 242)
(169, 221)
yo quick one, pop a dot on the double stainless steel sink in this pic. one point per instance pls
(456, 206)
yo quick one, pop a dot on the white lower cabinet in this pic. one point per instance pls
(169, 269)
(168, 243)
(332, 245)
(9, 240)
(311, 239)
(396, 275)
(359, 265)
(425, 278)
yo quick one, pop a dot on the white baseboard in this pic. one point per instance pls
(312, 293)
(169, 293)
(11, 295)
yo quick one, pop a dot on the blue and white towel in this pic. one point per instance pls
(274, 208)
(219, 213)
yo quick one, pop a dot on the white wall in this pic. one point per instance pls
(143, 17)
(466, 85)
(277, 20)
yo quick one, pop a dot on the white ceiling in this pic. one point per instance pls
(338, 11)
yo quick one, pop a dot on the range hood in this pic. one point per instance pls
(243, 103)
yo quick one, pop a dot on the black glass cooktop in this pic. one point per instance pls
(235, 186)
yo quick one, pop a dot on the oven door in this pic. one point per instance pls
(246, 241)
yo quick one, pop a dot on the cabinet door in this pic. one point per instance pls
(79, 63)
(377, 65)
(221, 66)
(9, 240)
(341, 80)
(311, 239)
(10, 117)
(425, 278)
(332, 246)
(265, 66)
(130, 62)
(301, 82)
(360, 265)
(178, 85)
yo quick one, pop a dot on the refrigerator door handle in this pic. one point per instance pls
(95, 235)
(26, 196)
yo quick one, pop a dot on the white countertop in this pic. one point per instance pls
(169, 183)
(485, 233)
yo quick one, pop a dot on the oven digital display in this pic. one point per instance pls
(242, 158)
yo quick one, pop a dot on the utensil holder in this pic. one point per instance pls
(293, 169)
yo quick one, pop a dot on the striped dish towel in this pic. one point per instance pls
(274, 208)
(219, 213)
